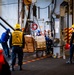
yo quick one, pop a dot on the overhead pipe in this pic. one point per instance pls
(27, 30)
(54, 1)
(72, 11)
(22, 15)
(48, 11)
(52, 19)
(34, 10)
(18, 10)
(38, 12)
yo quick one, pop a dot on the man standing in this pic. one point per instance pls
(17, 44)
(48, 44)
(4, 39)
(71, 46)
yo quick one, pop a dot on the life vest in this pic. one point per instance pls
(17, 38)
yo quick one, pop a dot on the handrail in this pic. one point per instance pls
(6, 23)
(3, 26)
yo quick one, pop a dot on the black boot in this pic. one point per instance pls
(9, 56)
(69, 61)
(12, 68)
(20, 68)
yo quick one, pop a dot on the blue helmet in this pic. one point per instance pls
(38, 31)
(47, 38)
(7, 30)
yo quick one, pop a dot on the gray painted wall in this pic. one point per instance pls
(8, 11)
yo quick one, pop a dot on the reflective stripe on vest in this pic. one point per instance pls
(17, 38)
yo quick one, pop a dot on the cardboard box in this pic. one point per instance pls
(28, 38)
(25, 49)
(40, 38)
(29, 47)
(41, 45)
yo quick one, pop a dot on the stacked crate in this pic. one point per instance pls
(40, 43)
(29, 44)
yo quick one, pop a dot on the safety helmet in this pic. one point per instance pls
(38, 31)
(67, 46)
(47, 38)
(7, 30)
(73, 26)
(17, 26)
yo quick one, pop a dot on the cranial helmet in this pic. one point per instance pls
(17, 26)
(38, 31)
(67, 46)
(73, 26)
(7, 30)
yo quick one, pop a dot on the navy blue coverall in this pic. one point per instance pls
(71, 46)
(4, 39)
(48, 44)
